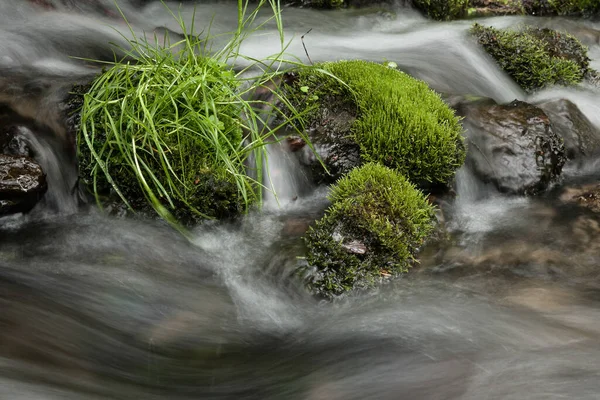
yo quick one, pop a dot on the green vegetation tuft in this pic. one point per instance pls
(161, 130)
(443, 10)
(535, 57)
(172, 131)
(401, 122)
(378, 209)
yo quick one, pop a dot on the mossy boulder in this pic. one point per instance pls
(577, 8)
(375, 225)
(562, 7)
(159, 138)
(442, 10)
(536, 57)
(362, 112)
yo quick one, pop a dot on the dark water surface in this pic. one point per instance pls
(93, 307)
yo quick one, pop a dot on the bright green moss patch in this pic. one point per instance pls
(400, 122)
(372, 230)
(535, 57)
(443, 10)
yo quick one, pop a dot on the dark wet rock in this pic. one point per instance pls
(296, 227)
(13, 142)
(13, 139)
(329, 135)
(580, 136)
(22, 183)
(513, 146)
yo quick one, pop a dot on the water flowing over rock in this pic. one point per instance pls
(22, 182)
(512, 146)
(580, 136)
(13, 142)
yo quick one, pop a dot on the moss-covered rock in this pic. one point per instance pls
(535, 57)
(487, 8)
(579, 8)
(561, 7)
(373, 229)
(442, 10)
(367, 112)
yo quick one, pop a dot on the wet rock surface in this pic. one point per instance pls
(22, 182)
(331, 137)
(13, 142)
(512, 146)
(580, 136)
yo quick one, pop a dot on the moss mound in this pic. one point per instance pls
(372, 230)
(400, 122)
(535, 57)
(562, 7)
(442, 10)
(165, 135)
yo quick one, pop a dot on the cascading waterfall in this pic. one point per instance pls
(95, 307)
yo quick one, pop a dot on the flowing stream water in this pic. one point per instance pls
(93, 307)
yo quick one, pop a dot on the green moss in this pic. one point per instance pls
(375, 225)
(562, 7)
(443, 10)
(535, 57)
(400, 122)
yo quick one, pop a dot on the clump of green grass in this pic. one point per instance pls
(378, 211)
(400, 121)
(156, 129)
(535, 57)
(173, 128)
